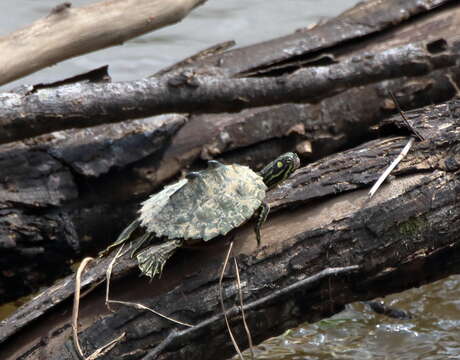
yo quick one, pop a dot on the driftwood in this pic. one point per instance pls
(82, 105)
(70, 192)
(220, 83)
(90, 181)
(322, 218)
(67, 32)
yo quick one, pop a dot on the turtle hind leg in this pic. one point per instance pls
(124, 236)
(152, 259)
(139, 242)
(261, 217)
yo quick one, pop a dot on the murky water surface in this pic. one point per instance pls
(356, 333)
(360, 334)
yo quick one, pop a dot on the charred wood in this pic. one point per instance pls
(322, 219)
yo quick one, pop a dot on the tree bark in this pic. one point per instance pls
(67, 32)
(69, 193)
(375, 24)
(82, 105)
(321, 219)
(218, 83)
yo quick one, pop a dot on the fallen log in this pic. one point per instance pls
(69, 193)
(322, 219)
(219, 82)
(367, 26)
(82, 105)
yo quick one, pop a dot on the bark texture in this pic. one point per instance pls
(69, 193)
(87, 183)
(321, 219)
(82, 105)
(219, 82)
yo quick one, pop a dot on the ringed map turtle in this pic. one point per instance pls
(202, 206)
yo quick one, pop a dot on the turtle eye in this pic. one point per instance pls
(279, 164)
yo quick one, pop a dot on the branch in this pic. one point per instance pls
(362, 23)
(67, 32)
(80, 105)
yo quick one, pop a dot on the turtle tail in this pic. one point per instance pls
(152, 259)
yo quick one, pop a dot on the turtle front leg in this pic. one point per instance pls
(261, 217)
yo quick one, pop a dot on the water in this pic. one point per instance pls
(356, 333)
(359, 334)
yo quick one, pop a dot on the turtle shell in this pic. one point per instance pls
(203, 206)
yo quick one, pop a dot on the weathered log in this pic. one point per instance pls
(90, 181)
(373, 24)
(322, 219)
(81, 105)
(78, 111)
(67, 32)
(50, 214)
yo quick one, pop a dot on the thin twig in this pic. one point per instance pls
(155, 352)
(301, 284)
(143, 307)
(390, 168)
(406, 120)
(139, 306)
(106, 348)
(221, 298)
(404, 151)
(76, 307)
(246, 327)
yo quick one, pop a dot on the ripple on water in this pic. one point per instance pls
(358, 333)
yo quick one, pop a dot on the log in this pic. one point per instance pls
(230, 86)
(372, 25)
(67, 32)
(50, 215)
(322, 219)
(90, 181)
(82, 105)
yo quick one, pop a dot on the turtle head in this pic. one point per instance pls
(280, 169)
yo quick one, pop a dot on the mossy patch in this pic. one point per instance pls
(413, 226)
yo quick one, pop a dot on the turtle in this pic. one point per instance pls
(201, 207)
